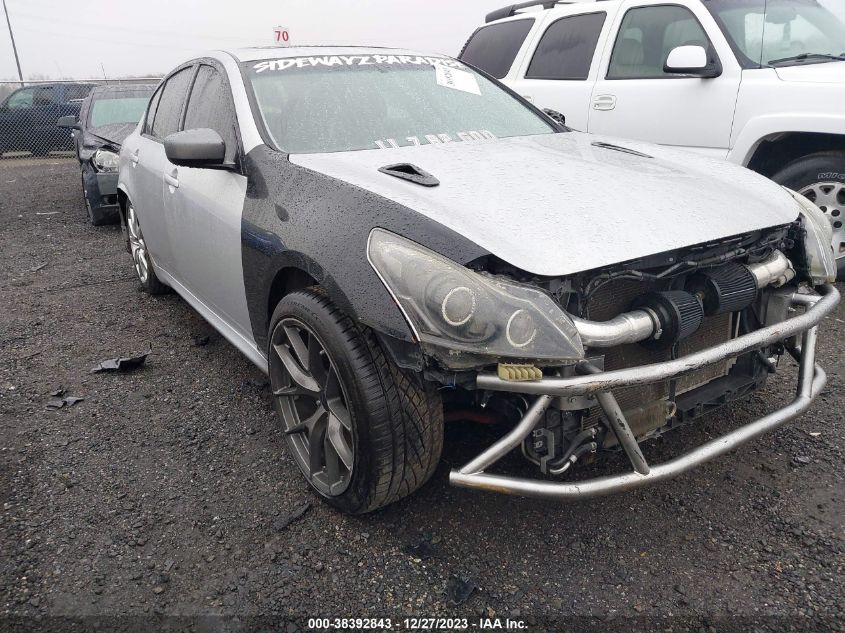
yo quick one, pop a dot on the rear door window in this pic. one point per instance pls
(21, 100)
(169, 111)
(567, 48)
(151, 111)
(210, 106)
(493, 48)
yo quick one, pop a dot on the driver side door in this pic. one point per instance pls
(203, 207)
(635, 98)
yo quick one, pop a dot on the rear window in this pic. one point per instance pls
(493, 48)
(567, 48)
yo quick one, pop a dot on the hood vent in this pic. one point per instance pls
(411, 173)
(617, 148)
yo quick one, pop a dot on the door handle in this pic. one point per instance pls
(134, 158)
(171, 179)
(604, 102)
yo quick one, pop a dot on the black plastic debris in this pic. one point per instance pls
(281, 522)
(122, 364)
(57, 402)
(201, 341)
(458, 590)
(422, 550)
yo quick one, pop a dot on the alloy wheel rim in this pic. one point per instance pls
(137, 245)
(312, 404)
(830, 198)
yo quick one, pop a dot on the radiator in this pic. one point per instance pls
(645, 405)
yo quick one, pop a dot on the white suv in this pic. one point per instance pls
(760, 83)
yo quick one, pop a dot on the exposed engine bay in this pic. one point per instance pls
(643, 312)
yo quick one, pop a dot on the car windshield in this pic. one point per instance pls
(111, 109)
(783, 32)
(357, 102)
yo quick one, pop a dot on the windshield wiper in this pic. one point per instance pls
(804, 56)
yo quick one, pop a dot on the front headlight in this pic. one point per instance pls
(818, 243)
(104, 160)
(460, 311)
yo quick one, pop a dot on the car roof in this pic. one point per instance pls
(149, 87)
(257, 53)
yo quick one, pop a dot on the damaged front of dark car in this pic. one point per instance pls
(107, 116)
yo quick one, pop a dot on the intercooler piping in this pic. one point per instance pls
(643, 324)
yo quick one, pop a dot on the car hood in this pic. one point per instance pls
(557, 204)
(113, 134)
(824, 73)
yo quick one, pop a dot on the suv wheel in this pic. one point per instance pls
(362, 431)
(821, 178)
(140, 255)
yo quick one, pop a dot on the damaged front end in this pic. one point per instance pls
(602, 360)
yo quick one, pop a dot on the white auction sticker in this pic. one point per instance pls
(457, 79)
(281, 36)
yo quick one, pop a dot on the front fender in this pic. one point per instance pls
(296, 217)
(765, 127)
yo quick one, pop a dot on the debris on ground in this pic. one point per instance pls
(201, 341)
(121, 364)
(281, 522)
(458, 590)
(420, 551)
(59, 402)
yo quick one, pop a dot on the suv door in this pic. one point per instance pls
(203, 208)
(14, 119)
(636, 98)
(564, 66)
(150, 165)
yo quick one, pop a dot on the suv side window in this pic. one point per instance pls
(44, 96)
(21, 100)
(493, 48)
(169, 111)
(210, 106)
(648, 35)
(567, 48)
(72, 93)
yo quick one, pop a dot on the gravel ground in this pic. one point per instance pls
(168, 491)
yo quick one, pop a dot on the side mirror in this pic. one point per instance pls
(202, 147)
(69, 122)
(555, 116)
(691, 61)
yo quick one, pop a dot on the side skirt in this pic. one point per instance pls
(246, 347)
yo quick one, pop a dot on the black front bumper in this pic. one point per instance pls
(101, 192)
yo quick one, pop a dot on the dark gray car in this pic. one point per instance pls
(107, 116)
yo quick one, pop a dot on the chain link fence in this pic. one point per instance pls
(30, 110)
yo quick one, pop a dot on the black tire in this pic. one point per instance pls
(141, 261)
(822, 172)
(396, 418)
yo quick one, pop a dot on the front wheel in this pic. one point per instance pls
(362, 431)
(821, 179)
(141, 256)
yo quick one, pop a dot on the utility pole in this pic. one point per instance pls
(12, 37)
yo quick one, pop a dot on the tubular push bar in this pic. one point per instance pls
(811, 380)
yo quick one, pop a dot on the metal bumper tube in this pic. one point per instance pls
(811, 381)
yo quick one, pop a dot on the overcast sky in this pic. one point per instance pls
(71, 38)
